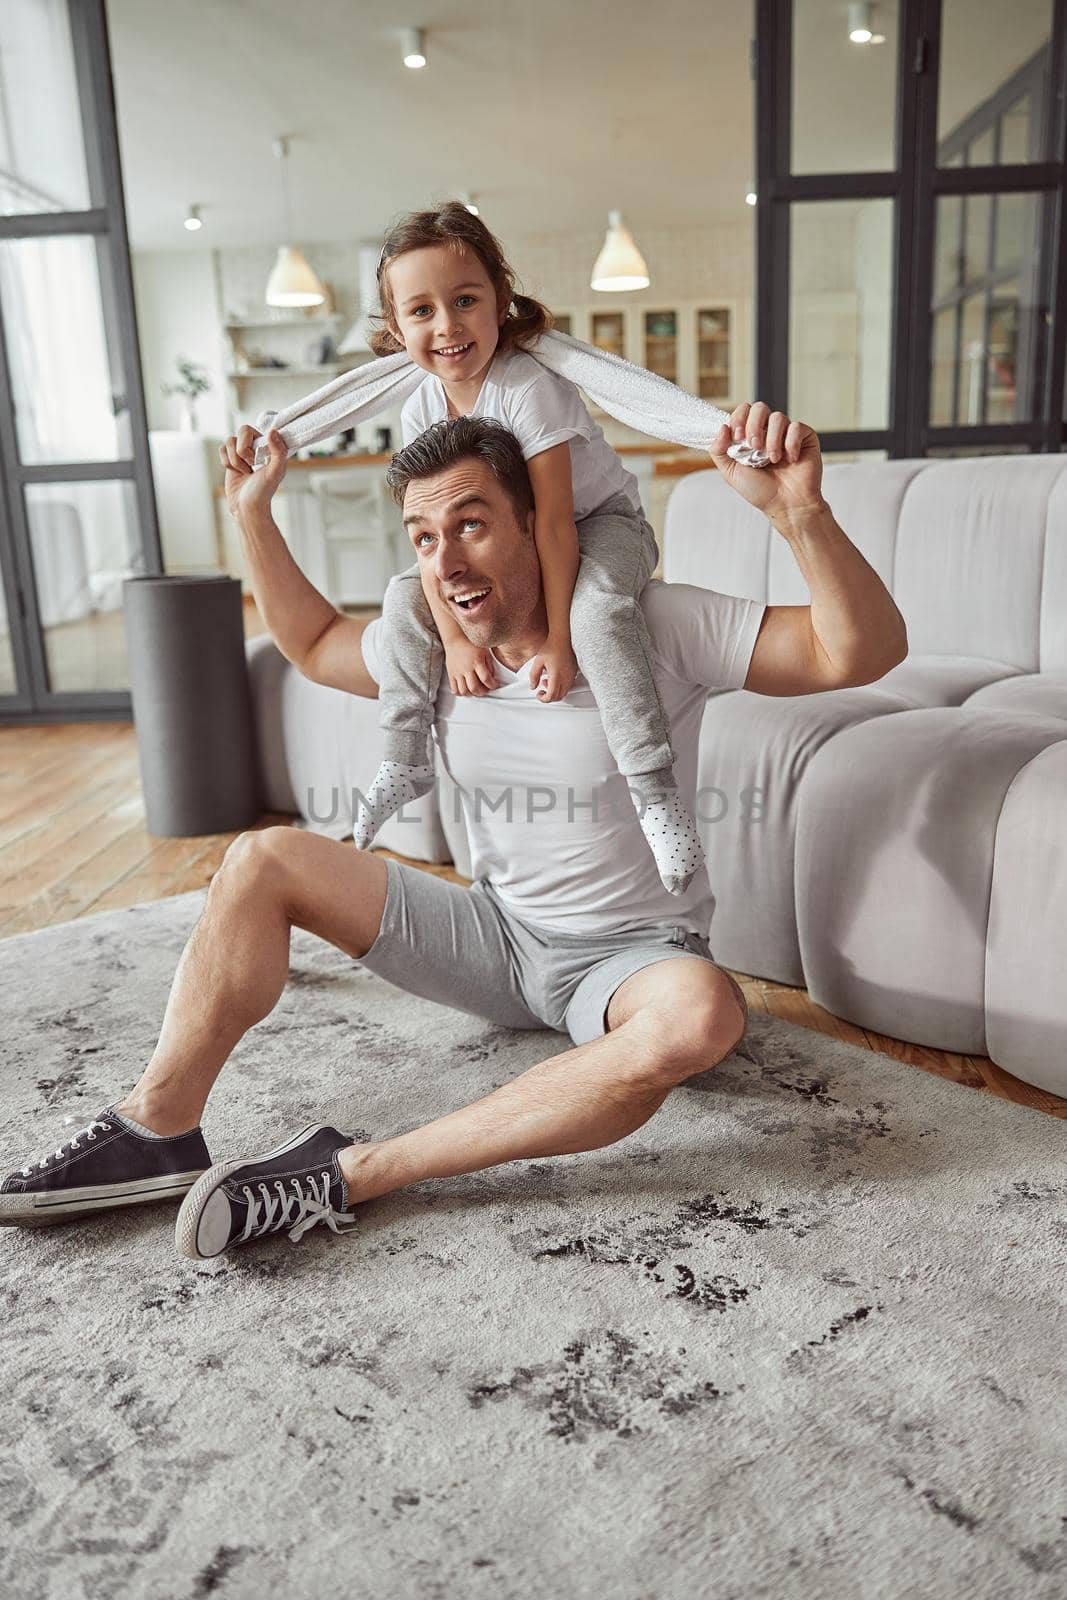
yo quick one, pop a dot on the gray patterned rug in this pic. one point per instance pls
(800, 1335)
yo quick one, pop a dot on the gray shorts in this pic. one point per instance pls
(463, 948)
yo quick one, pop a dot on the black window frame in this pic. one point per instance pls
(915, 186)
(105, 222)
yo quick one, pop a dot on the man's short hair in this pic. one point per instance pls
(465, 439)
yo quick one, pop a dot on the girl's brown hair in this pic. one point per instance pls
(453, 225)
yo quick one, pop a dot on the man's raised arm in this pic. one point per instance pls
(852, 632)
(318, 639)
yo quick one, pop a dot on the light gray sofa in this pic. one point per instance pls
(899, 849)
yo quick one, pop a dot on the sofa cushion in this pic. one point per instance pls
(754, 753)
(896, 834)
(1026, 950)
(1041, 694)
(969, 557)
(865, 498)
(714, 538)
(317, 745)
(927, 680)
(1054, 583)
(267, 670)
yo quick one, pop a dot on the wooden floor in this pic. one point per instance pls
(73, 841)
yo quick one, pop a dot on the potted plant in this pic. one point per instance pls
(192, 383)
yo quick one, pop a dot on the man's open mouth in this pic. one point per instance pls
(454, 352)
(470, 602)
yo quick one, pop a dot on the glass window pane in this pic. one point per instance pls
(943, 362)
(661, 344)
(994, 64)
(993, 372)
(609, 331)
(8, 684)
(42, 157)
(1002, 354)
(844, 92)
(1013, 217)
(981, 151)
(840, 312)
(1015, 131)
(978, 217)
(84, 541)
(948, 247)
(713, 353)
(69, 395)
(972, 360)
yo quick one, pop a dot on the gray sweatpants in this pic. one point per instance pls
(608, 631)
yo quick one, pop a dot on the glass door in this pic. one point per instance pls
(77, 514)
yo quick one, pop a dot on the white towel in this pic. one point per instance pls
(640, 399)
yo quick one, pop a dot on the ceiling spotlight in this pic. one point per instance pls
(859, 22)
(414, 48)
(750, 198)
(468, 200)
(192, 221)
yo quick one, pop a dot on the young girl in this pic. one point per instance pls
(448, 298)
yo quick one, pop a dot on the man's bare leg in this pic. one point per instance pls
(236, 962)
(667, 1022)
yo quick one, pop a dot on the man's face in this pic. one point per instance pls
(463, 527)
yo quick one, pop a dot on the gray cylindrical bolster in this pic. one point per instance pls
(192, 706)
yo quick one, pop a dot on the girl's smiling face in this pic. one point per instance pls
(444, 311)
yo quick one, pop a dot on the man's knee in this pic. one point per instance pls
(697, 1035)
(253, 855)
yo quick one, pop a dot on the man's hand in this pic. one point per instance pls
(470, 668)
(246, 491)
(793, 480)
(553, 672)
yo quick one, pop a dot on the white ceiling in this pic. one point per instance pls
(550, 111)
(545, 109)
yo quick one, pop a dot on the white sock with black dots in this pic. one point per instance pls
(668, 825)
(394, 786)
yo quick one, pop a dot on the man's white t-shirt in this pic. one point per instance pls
(541, 409)
(530, 774)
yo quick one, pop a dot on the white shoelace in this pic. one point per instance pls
(72, 1143)
(278, 1213)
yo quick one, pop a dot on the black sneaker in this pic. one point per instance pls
(293, 1187)
(103, 1165)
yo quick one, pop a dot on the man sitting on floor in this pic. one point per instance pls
(567, 926)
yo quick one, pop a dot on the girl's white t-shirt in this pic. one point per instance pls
(541, 409)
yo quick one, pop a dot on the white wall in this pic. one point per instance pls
(178, 315)
(683, 263)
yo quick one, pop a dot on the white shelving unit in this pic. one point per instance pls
(701, 345)
(286, 338)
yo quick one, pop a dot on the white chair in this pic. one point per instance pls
(356, 518)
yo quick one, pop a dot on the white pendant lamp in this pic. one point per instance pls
(292, 281)
(620, 264)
